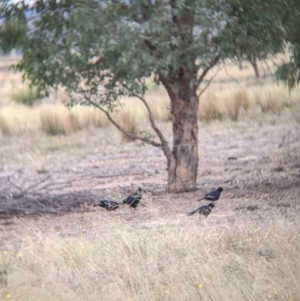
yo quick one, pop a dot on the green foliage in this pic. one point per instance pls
(103, 51)
(100, 51)
(13, 31)
(289, 72)
(289, 13)
(70, 45)
(27, 96)
(254, 30)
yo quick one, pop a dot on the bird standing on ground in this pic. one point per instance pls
(213, 195)
(133, 200)
(204, 210)
(109, 205)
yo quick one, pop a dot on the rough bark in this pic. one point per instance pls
(183, 165)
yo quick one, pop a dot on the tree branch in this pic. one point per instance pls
(120, 128)
(151, 119)
(23, 192)
(236, 81)
(205, 71)
(208, 83)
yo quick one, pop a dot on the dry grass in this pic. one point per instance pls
(296, 112)
(160, 105)
(248, 104)
(52, 119)
(54, 122)
(258, 104)
(18, 120)
(4, 128)
(128, 120)
(189, 260)
(209, 109)
(277, 161)
(56, 119)
(226, 99)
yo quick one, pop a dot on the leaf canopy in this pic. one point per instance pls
(105, 49)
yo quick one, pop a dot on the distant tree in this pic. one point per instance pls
(289, 13)
(250, 44)
(100, 51)
(13, 27)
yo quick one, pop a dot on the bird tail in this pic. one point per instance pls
(193, 212)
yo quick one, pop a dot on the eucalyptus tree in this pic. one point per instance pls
(102, 50)
(249, 43)
(289, 13)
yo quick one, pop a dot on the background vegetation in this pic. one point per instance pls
(233, 96)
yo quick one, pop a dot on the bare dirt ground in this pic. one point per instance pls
(258, 167)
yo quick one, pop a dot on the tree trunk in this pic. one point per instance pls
(183, 164)
(253, 62)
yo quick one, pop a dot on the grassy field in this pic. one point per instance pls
(178, 260)
(233, 96)
(247, 249)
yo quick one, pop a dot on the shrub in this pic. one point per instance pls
(27, 96)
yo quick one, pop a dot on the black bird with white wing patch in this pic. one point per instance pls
(109, 205)
(213, 195)
(133, 200)
(204, 210)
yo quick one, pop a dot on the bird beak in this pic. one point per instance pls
(142, 189)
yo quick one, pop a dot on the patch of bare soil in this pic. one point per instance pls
(258, 167)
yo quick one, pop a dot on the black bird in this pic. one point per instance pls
(205, 209)
(133, 200)
(109, 205)
(213, 195)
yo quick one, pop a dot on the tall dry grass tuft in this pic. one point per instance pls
(53, 119)
(54, 122)
(210, 109)
(270, 102)
(277, 160)
(74, 122)
(128, 120)
(258, 103)
(295, 109)
(88, 118)
(159, 104)
(57, 120)
(4, 128)
(189, 260)
(18, 120)
(239, 101)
